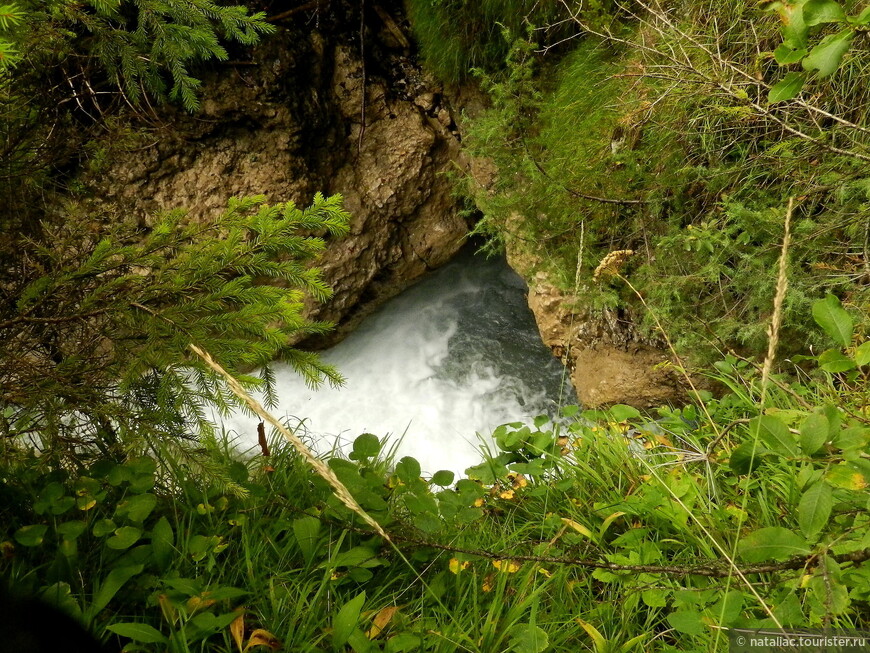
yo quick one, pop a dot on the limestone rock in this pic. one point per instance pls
(308, 119)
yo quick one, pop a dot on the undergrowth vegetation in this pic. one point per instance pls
(597, 530)
(668, 133)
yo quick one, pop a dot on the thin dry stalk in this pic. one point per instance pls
(776, 320)
(322, 470)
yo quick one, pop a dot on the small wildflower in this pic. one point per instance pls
(487, 583)
(506, 566)
(478, 502)
(611, 263)
(507, 494)
(520, 481)
(545, 572)
(456, 565)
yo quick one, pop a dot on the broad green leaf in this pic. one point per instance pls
(687, 621)
(31, 535)
(72, 529)
(621, 412)
(834, 320)
(814, 508)
(794, 29)
(408, 469)
(526, 638)
(138, 507)
(443, 478)
(306, 529)
(817, 12)
(786, 88)
(655, 598)
(124, 537)
(827, 55)
(786, 55)
(834, 361)
(847, 476)
(862, 354)
(728, 608)
(138, 632)
(366, 446)
(403, 643)
(774, 433)
(162, 541)
(746, 458)
(852, 441)
(344, 623)
(772, 543)
(104, 526)
(814, 433)
(112, 584)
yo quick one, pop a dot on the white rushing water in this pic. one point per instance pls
(452, 357)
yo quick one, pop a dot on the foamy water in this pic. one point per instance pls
(439, 366)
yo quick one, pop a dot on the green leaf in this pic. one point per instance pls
(103, 527)
(31, 535)
(443, 478)
(112, 584)
(834, 361)
(655, 598)
(785, 54)
(814, 508)
(775, 434)
(834, 320)
(622, 413)
(162, 541)
(124, 537)
(408, 469)
(687, 621)
(138, 632)
(862, 354)
(861, 19)
(786, 88)
(727, 609)
(345, 622)
(404, 642)
(306, 529)
(366, 446)
(827, 55)
(72, 529)
(814, 433)
(847, 476)
(526, 638)
(817, 12)
(138, 507)
(773, 543)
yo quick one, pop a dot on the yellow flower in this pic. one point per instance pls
(506, 566)
(507, 494)
(545, 572)
(456, 566)
(478, 502)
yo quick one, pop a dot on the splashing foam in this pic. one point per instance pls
(436, 369)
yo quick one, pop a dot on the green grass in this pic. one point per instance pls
(506, 560)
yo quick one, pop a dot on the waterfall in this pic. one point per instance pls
(436, 369)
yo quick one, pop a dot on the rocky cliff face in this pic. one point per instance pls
(309, 113)
(306, 115)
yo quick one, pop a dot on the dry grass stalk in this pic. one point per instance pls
(776, 320)
(325, 472)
